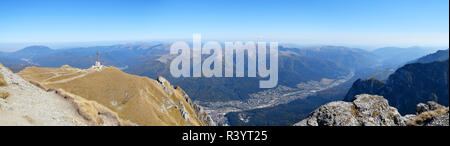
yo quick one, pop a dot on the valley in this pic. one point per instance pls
(269, 98)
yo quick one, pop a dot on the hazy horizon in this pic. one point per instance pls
(5, 47)
(352, 23)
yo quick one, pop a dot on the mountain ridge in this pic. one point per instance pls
(29, 104)
(439, 55)
(139, 99)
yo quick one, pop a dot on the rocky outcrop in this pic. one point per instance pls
(365, 110)
(199, 111)
(373, 110)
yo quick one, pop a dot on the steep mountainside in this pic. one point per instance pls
(22, 103)
(138, 99)
(409, 85)
(373, 110)
(440, 55)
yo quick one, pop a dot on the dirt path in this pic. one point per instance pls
(66, 80)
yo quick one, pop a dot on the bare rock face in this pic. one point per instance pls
(373, 110)
(408, 86)
(365, 110)
(332, 114)
(205, 117)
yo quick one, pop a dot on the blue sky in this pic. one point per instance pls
(353, 22)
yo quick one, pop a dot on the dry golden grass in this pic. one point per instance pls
(94, 113)
(2, 80)
(353, 111)
(135, 98)
(426, 116)
(4, 94)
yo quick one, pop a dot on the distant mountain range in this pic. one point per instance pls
(117, 55)
(395, 57)
(295, 66)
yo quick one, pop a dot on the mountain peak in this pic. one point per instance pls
(36, 48)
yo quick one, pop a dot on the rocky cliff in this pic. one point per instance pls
(373, 110)
(408, 86)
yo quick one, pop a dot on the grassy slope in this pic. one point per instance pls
(135, 98)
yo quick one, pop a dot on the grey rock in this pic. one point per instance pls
(332, 114)
(441, 120)
(365, 110)
(200, 112)
(429, 106)
(373, 110)
(410, 117)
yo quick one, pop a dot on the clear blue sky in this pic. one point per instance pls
(359, 22)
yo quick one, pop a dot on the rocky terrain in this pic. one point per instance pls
(139, 100)
(373, 110)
